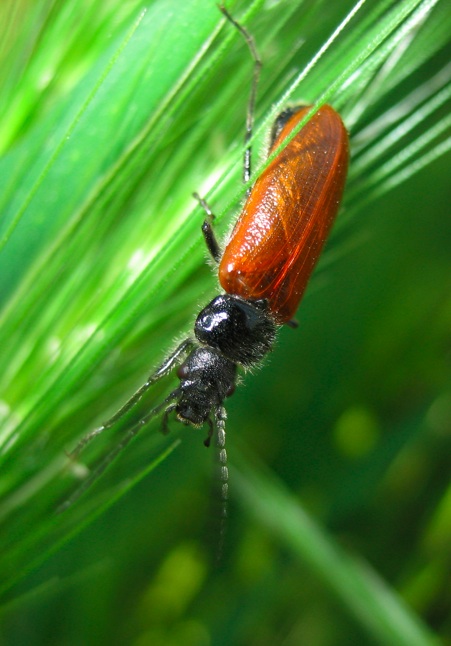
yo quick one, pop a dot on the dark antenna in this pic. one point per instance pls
(221, 416)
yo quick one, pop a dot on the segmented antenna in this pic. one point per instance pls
(220, 419)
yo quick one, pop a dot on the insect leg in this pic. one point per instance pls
(251, 105)
(165, 367)
(293, 324)
(211, 430)
(111, 456)
(207, 230)
(164, 421)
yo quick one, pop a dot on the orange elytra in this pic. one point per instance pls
(287, 217)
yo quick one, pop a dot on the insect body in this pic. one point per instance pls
(268, 260)
(264, 271)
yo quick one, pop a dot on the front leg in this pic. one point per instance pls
(207, 230)
(168, 364)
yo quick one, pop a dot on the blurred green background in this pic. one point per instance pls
(339, 447)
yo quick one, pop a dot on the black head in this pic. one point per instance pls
(243, 331)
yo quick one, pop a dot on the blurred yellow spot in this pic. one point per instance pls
(175, 585)
(356, 432)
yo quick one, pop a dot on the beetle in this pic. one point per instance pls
(263, 270)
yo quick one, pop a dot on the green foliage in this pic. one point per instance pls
(112, 115)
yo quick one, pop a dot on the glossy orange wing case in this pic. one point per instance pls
(287, 217)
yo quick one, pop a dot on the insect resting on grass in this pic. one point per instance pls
(263, 271)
